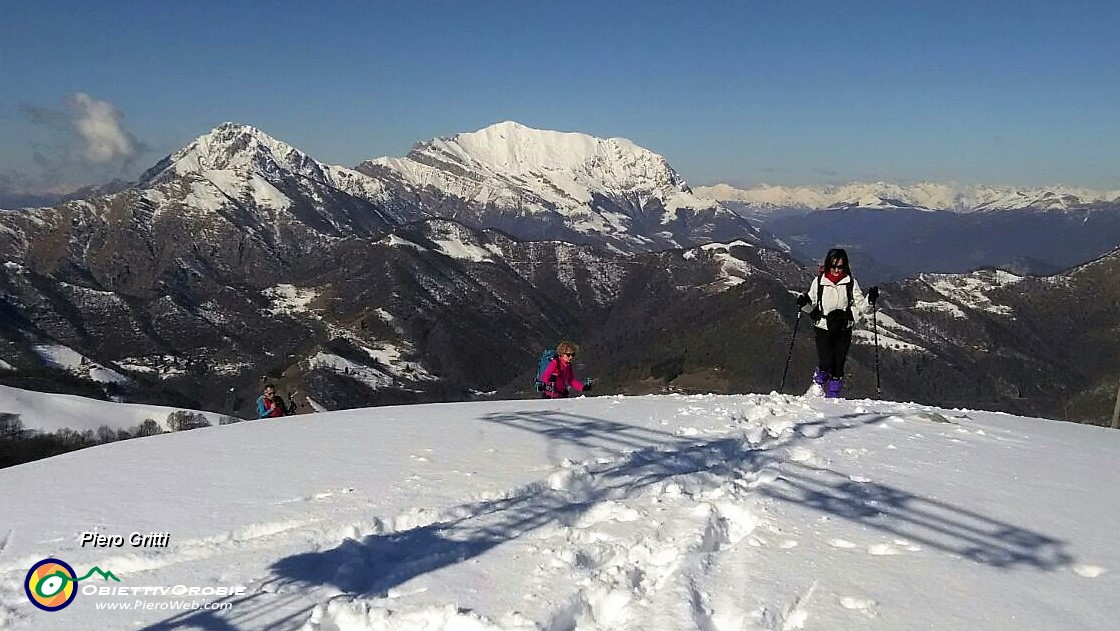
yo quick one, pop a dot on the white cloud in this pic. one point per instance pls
(98, 123)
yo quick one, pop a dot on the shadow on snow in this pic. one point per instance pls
(376, 563)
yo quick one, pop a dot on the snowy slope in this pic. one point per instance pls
(45, 412)
(704, 512)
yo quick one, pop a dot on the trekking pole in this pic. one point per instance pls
(875, 332)
(789, 355)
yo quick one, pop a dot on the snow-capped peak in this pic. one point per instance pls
(562, 185)
(515, 149)
(570, 163)
(233, 146)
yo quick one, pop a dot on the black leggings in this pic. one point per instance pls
(832, 350)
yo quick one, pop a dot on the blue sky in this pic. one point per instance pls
(792, 92)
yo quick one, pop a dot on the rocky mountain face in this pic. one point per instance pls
(442, 275)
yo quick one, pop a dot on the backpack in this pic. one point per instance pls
(820, 294)
(547, 358)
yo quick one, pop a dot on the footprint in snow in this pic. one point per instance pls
(810, 431)
(1087, 571)
(909, 545)
(862, 605)
(882, 549)
(800, 454)
(318, 496)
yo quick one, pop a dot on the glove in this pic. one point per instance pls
(802, 300)
(816, 313)
(872, 295)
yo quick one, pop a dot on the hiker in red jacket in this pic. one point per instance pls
(559, 378)
(271, 405)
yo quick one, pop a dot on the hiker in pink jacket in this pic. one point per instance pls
(559, 378)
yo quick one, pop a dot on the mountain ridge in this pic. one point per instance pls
(245, 259)
(925, 195)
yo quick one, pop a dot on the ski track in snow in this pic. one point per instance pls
(648, 539)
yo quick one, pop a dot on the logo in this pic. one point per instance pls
(51, 583)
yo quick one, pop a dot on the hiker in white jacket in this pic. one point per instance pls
(835, 303)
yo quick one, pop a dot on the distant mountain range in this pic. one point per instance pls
(441, 275)
(923, 196)
(896, 232)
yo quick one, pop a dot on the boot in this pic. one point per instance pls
(820, 376)
(832, 388)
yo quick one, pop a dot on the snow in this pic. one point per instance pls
(393, 358)
(395, 241)
(204, 195)
(267, 195)
(234, 147)
(6, 366)
(290, 299)
(101, 374)
(66, 358)
(971, 289)
(46, 412)
(942, 306)
(458, 249)
(372, 377)
(733, 271)
(390, 358)
(885, 340)
(59, 356)
(884, 324)
(229, 368)
(671, 512)
(164, 365)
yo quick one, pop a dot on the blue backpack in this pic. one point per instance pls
(547, 358)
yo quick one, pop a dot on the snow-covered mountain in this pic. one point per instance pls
(172, 275)
(240, 171)
(240, 259)
(926, 196)
(533, 184)
(107, 297)
(754, 512)
(574, 187)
